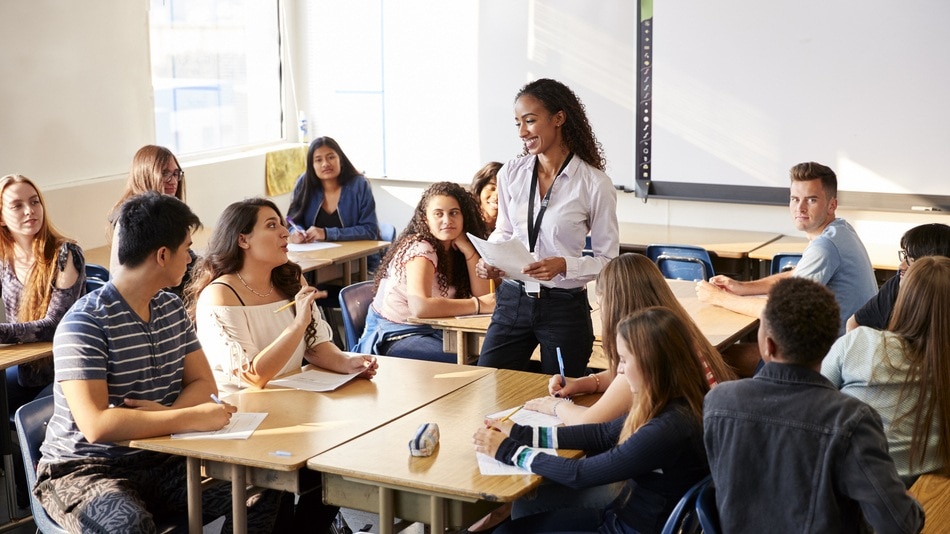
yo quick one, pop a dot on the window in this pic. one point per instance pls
(215, 73)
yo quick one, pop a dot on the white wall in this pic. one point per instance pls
(79, 204)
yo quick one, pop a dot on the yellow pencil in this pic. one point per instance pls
(285, 306)
(491, 285)
(507, 417)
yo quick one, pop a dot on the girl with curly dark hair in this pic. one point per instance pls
(429, 271)
(550, 198)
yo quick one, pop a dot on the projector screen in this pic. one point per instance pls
(741, 90)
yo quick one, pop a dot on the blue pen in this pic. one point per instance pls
(215, 398)
(294, 227)
(560, 364)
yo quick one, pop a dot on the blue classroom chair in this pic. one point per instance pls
(784, 261)
(354, 305)
(681, 262)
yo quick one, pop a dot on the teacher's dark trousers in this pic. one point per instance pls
(552, 318)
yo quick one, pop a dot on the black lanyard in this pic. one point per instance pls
(535, 226)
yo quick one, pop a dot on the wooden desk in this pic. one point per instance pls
(722, 327)
(376, 473)
(305, 424)
(341, 260)
(10, 356)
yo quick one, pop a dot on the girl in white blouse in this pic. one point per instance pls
(237, 288)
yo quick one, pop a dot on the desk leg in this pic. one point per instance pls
(347, 273)
(461, 348)
(193, 481)
(239, 498)
(364, 269)
(386, 515)
(437, 511)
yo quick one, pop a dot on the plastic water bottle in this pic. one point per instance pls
(302, 129)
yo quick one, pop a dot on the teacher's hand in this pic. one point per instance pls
(483, 270)
(547, 268)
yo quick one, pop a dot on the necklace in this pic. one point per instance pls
(249, 288)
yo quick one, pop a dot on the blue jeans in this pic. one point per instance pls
(418, 347)
(551, 496)
(520, 323)
(568, 520)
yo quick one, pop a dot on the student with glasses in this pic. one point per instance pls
(154, 168)
(918, 242)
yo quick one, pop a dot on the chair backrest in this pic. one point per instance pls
(681, 262)
(354, 304)
(387, 232)
(785, 261)
(31, 421)
(706, 509)
(96, 277)
(97, 271)
(683, 518)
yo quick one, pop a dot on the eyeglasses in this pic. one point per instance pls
(170, 177)
(903, 256)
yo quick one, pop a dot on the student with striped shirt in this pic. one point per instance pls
(128, 366)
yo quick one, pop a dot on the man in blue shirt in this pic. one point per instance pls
(835, 255)
(812, 459)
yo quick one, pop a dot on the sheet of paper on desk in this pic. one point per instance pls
(242, 425)
(528, 418)
(314, 380)
(510, 256)
(489, 466)
(310, 247)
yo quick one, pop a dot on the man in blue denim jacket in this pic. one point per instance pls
(787, 451)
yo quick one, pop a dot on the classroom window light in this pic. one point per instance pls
(215, 73)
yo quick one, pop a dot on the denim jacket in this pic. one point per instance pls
(790, 453)
(357, 209)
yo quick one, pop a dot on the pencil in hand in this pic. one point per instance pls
(512, 412)
(285, 306)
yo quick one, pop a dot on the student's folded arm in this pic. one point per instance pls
(420, 274)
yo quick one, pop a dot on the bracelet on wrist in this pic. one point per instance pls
(478, 305)
(556, 404)
(596, 382)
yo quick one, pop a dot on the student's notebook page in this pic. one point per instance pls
(310, 247)
(242, 425)
(489, 466)
(314, 380)
(527, 417)
(510, 256)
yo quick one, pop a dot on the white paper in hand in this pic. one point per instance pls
(510, 256)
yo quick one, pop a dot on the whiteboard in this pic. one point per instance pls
(744, 89)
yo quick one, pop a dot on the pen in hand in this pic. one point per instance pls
(215, 399)
(294, 227)
(560, 364)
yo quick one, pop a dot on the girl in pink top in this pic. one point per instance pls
(429, 271)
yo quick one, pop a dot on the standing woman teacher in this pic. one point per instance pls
(550, 198)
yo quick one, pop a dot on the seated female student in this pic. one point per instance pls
(657, 449)
(238, 288)
(236, 297)
(902, 372)
(331, 200)
(626, 284)
(154, 168)
(429, 271)
(485, 188)
(42, 274)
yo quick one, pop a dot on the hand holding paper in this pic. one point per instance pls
(509, 256)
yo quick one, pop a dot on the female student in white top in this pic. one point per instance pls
(239, 285)
(550, 198)
(903, 373)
